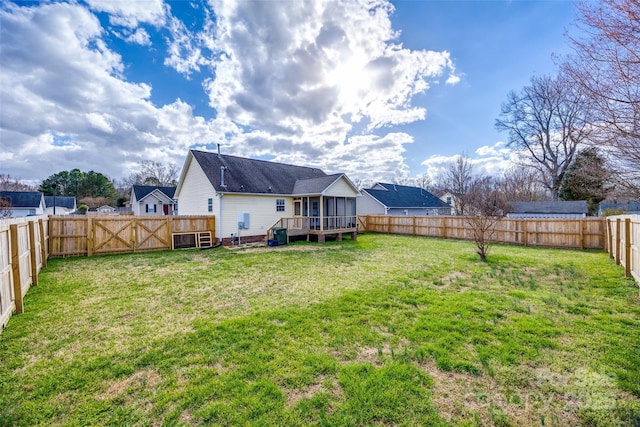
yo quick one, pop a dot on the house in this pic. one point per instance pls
(23, 203)
(106, 209)
(393, 199)
(630, 208)
(64, 205)
(252, 198)
(450, 199)
(548, 209)
(153, 200)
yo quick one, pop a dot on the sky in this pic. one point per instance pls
(378, 90)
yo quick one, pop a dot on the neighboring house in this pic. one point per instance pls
(64, 205)
(106, 209)
(631, 208)
(392, 199)
(450, 199)
(153, 200)
(251, 197)
(550, 209)
(24, 203)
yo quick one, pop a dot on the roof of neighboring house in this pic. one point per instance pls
(68, 202)
(242, 175)
(142, 191)
(22, 199)
(627, 207)
(402, 196)
(550, 207)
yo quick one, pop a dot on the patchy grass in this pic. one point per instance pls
(385, 330)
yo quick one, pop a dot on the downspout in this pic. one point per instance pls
(220, 217)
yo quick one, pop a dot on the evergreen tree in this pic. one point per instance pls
(586, 179)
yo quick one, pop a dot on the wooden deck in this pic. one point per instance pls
(321, 227)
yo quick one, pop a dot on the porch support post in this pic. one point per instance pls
(321, 213)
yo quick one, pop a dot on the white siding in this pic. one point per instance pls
(341, 188)
(194, 192)
(261, 209)
(368, 205)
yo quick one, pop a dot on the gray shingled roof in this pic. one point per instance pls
(68, 202)
(22, 199)
(314, 185)
(141, 191)
(244, 175)
(402, 196)
(549, 207)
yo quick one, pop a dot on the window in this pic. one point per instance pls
(448, 200)
(151, 208)
(279, 205)
(210, 205)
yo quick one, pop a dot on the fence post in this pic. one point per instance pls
(618, 241)
(15, 265)
(627, 247)
(609, 238)
(134, 232)
(444, 227)
(414, 225)
(43, 241)
(91, 240)
(581, 225)
(32, 250)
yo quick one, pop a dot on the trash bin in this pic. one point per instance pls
(280, 234)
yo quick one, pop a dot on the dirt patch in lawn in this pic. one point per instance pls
(328, 385)
(146, 379)
(467, 397)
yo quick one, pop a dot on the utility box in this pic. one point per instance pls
(243, 220)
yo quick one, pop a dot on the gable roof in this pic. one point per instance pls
(550, 207)
(22, 199)
(243, 175)
(68, 202)
(402, 196)
(142, 191)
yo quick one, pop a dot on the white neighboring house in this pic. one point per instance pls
(450, 199)
(250, 196)
(394, 199)
(24, 203)
(106, 209)
(153, 200)
(64, 205)
(549, 209)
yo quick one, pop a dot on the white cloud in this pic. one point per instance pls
(60, 82)
(307, 74)
(131, 13)
(490, 160)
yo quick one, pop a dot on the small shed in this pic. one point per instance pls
(549, 209)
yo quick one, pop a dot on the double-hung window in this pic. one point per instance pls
(280, 205)
(209, 205)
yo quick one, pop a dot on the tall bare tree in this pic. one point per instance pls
(549, 120)
(457, 180)
(522, 184)
(606, 66)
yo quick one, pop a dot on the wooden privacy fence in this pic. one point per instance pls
(77, 235)
(580, 233)
(623, 243)
(23, 253)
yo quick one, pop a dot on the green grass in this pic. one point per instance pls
(385, 330)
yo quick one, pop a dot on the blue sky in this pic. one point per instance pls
(375, 89)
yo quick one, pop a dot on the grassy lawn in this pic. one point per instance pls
(385, 330)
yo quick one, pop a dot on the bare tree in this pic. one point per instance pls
(522, 184)
(549, 120)
(5, 207)
(9, 183)
(153, 173)
(485, 206)
(424, 182)
(606, 66)
(457, 180)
